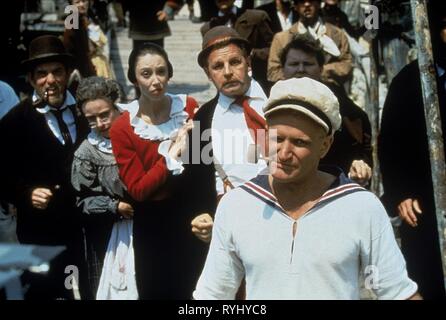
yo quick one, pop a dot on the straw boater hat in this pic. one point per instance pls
(47, 49)
(217, 36)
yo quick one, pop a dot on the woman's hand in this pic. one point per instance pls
(125, 210)
(179, 144)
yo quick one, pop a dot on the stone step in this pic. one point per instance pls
(183, 47)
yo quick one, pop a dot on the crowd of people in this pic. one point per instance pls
(260, 193)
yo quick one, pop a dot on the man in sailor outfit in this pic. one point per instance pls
(303, 231)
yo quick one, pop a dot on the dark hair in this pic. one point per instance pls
(93, 88)
(307, 44)
(146, 47)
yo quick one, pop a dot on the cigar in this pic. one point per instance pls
(41, 102)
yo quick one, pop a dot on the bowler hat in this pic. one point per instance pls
(217, 36)
(47, 49)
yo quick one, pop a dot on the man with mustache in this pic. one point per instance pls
(302, 231)
(38, 138)
(254, 26)
(225, 124)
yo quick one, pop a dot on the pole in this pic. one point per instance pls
(373, 110)
(432, 115)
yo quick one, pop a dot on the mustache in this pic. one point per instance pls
(231, 82)
(53, 88)
(287, 164)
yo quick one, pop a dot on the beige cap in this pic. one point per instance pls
(308, 96)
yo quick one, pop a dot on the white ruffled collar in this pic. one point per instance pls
(100, 142)
(161, 131)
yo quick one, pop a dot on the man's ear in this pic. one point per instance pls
(248, 61)
(326, 144)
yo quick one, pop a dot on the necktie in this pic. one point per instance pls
(254, 122)
(66, 136)
(230, 20)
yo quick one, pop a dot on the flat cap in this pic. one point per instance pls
(308, 96)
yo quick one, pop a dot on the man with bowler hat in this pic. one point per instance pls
(38, 138)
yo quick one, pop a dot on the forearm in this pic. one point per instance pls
(337, 70)
(98, 204)
(220, 279)
(17, 191)
(142, 185)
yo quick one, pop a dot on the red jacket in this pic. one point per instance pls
(142, 169)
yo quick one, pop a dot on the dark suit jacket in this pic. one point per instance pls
(254, 26)
(200, 175)
(36, 158)
(33, 157)
(144, 22)
(406, 173)
(270, 9)
(403, 146)
(208, 9)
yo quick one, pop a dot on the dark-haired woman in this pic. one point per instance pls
(168, 258)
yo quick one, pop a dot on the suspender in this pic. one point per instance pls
(223, 176)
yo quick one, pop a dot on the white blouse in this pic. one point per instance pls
(164, 132)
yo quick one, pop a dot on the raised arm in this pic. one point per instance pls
(141, 183)
(340, 68)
